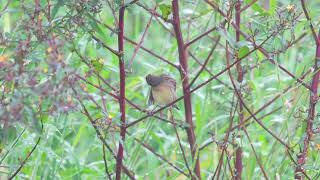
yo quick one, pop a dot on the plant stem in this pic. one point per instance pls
(311, 114)
(185, 84)
(238, 159)
(122, 100)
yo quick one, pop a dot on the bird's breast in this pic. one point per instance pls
(163, 94)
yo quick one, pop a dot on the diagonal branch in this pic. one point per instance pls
(99, 135)
(205, 62)
(261, 49)
(136, 49)
(256, 119)
(303, 4)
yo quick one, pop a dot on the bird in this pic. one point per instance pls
(163, 89)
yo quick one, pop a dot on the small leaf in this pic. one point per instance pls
(9, 134)
(243, 51)
(57, 7)
(165, 10)
(273, 7)
(97, 64)
(260, 55)
(260, 10)
(95, 26)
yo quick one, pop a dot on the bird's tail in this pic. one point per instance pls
(175, 106)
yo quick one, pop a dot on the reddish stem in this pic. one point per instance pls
(311, 114)
(185, 84)
(122, 97)
(238, 160)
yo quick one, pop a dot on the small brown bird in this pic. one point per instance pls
(163, 89)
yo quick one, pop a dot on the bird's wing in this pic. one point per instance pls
(150, 99)
(169, 79)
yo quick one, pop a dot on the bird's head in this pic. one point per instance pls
(153, 80)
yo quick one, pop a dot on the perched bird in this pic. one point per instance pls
(163, 89)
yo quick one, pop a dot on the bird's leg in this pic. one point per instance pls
(170, 115)
(152, 111)
(160, 111)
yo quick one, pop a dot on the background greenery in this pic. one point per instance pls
(54, 54)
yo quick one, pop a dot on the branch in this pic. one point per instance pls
(136, 49)
(28, 156)
(261, 49)
(161, 157)
(205, 62)
(226, 137)
(204, 34)
(198, 87)
(122, 98)
(142, 47)
(185, 85)
(311, 114)
(248, 5)
(105, 162)
(238, 160)
(25, 160)
(105, 46)
(303, 4)
(180, 144)
(100, 136)
(14, 144)
(257, 120)
(5, 8)
(154, 13)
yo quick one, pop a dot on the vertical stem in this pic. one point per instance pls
(311, 114)
(122, 97)
(238, 160)
(185, 84)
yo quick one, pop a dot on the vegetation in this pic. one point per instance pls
(73, 99)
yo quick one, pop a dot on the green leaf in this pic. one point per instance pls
(260, 9)
(95, 26)
(9, 134)
(243, 51)
(260, 55)
(57, 7)
(257, 8)
(165, 10)
(97, 64)
(272, 7)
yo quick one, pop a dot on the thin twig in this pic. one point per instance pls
(136, 49)
(179, 142)
(28, 156)
(105, 162)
